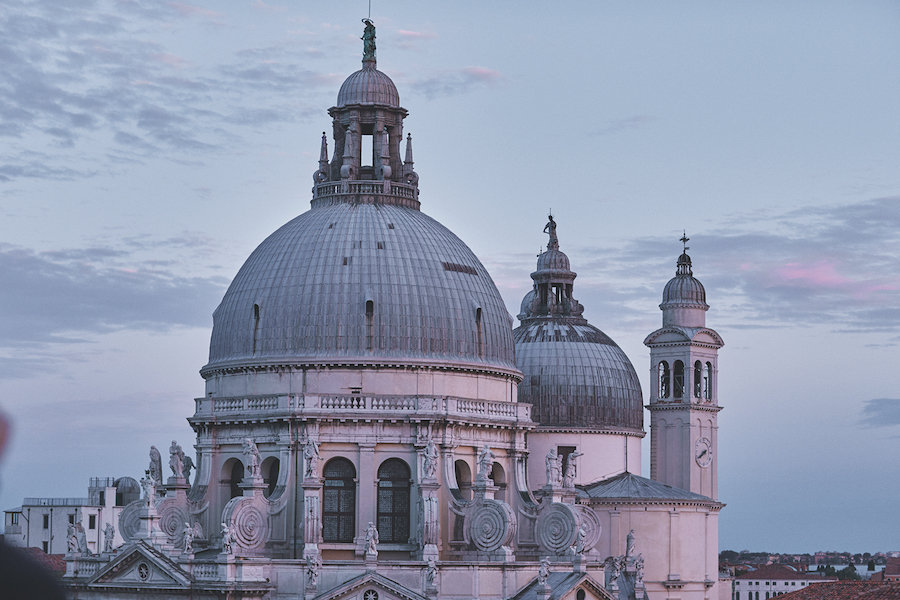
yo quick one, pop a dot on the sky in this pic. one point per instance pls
(147, 147)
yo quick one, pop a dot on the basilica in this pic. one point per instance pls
(374, 427)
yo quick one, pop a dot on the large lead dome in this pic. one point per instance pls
(364, 278)
(575, 375)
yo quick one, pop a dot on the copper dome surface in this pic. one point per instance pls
(363, 283)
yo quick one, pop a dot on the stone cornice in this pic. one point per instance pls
(674, 406)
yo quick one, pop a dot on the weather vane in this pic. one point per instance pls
(684, 240)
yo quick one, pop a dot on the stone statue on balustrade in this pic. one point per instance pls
(227, 540)
(544, 571)
(109, 534)
(188, 533)
(485, 464)
(313, 563)
(571, 470)
(554, 468)
(253, 458)
(176, 459)
(311, 456)
(371, 541)
(155, 468)
(430, 463)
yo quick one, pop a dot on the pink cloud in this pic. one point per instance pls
(482, 73)
(416, 35)
(819, 274)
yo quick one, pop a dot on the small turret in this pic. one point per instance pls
(321, 173)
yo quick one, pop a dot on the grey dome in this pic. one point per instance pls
(313, 280)
(684, 289)
(368, 86)
(576, 376)
(554, 260)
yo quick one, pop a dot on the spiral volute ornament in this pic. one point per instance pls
(129, 520)
(248, 522)
(557, 527)
(172, 518)
(491, 525)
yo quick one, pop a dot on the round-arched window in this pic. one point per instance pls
(393, 501)
(339, 501)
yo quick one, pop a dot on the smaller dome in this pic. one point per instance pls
(554, 260)
(368, 86)
(684, 288)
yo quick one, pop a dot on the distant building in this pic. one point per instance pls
(44, 522)
(768, 581)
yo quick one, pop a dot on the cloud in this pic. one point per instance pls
(68, 295)
(880, 412)
(452, 82)
(407, 39)
(835, 266)
(76, 74)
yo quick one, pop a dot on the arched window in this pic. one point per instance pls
(708, 382)
(498, 476)
(698, 378)
(678, 379)
(393, 501)
(339, 503)
(269, 470)
(663, 372)
(479, 341)
(255, 325)
(232, 475)
(737, 595)
(767, 595)
(757, 595)
(463, 478)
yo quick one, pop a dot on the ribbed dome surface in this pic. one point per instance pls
(576, 376)
(684, 289)
(553, 260)
(368, 86)
(312, 281)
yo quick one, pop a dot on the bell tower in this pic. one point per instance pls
(684, 402)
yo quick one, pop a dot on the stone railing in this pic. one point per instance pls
(208, 571)
(356, 404)
(366, 191)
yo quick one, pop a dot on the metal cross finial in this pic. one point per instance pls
(684, 240)
(370, 9)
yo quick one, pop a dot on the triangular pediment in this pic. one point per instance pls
(139, 564)
(565, 586)
(679, 335)
(357, 588)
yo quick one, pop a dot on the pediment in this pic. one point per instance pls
(361, 588)
(565, 586)
(141, 565)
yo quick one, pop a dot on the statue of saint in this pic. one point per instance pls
(149, 486)
(371, 540)
(312, 570)
(552, 463)
(485, 463)
(579, 540)
(176, 459)
(227, 540)
(311, 454)
(155, 468)
(186, 470)
(544, 571)
(109, 533)
(571, 469)
(253, 458)
(429, 467)
(550, 228)
(431, 572)
(71, 539)
(639, 569)
(629, 544)
(368, 39)
(188, 538)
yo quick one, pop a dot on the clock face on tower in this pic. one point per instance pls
(703, 452)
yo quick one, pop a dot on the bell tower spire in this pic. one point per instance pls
(684, 403)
